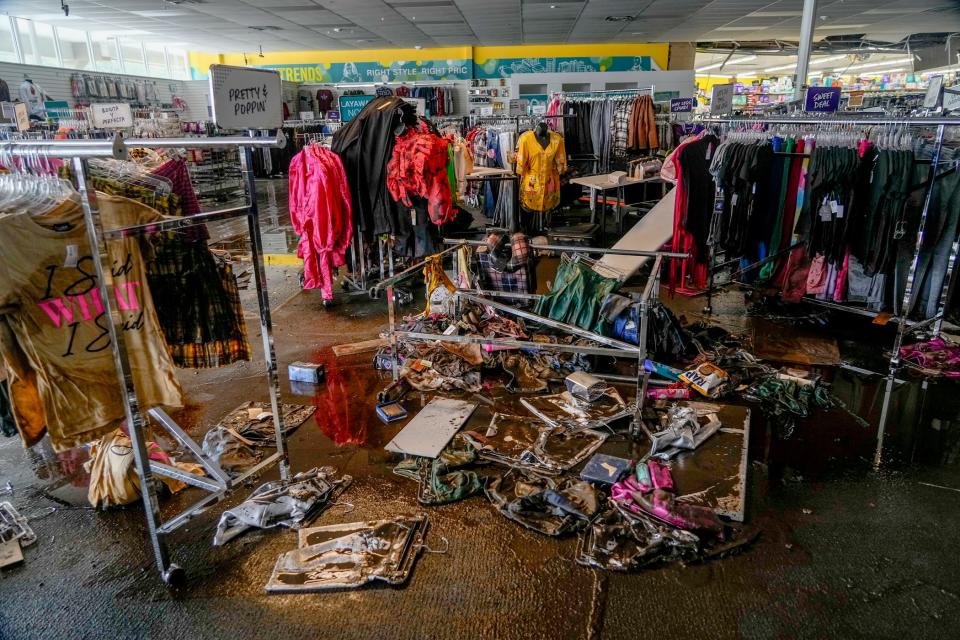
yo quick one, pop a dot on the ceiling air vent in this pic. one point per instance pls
(265, 28)
(620, 18)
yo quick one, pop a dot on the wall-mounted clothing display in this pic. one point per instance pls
(539, 168)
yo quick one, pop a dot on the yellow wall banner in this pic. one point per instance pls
(446, 63)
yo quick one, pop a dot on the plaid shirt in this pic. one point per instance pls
(515, 275)
(619, 127)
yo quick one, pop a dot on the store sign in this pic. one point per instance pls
(518, 107)
(111, 115)
(306, 115)
(932, 99)
(822, 99)
(681, 105)
(506, 67)
(856, 99)
(333, 116)
(245, 98)
(351, 106)
(399, 71)
(420, 104)
(951, 99)
(721, 99)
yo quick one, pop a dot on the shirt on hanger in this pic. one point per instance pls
(49, 300)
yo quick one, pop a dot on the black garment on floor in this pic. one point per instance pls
(365, 145)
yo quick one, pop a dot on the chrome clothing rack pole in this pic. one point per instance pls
(219, 484)
(904, 326)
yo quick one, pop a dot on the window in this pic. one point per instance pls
(36, 43)
(8, 52)
(133, 62)
(105, 55)
(156, 61)
(73, 48)
(179, 69)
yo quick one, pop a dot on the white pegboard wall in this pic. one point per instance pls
(56, 83)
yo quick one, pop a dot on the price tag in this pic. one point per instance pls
(23, 118)
(73, 256)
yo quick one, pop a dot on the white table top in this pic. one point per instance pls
(602, 182)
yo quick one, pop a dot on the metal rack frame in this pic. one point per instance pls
(612, 347)
(220, 483)
(904, 326)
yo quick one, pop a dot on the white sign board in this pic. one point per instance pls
(111, 115)
(306, 115)
(951, 100)
(245, 98)
(721, 100)
(419, 103)
(932, 98)
(23, 118)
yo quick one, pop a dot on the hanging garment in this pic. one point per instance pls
(365, 146)
(539, 169)
(58, 320)
(32, 95)
(321, 214)
(642, 127)
(419, 168)
(21, 385)
(577, 296)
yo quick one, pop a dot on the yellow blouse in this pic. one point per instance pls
(540, 170)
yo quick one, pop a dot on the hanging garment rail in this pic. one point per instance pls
(220, 483)
(904, 327)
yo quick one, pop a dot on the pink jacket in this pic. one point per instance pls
(321, 215)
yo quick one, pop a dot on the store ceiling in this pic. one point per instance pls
(230, 26)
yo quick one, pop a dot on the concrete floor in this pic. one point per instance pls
(844, 552)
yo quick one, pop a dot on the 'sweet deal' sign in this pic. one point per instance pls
(822, 99)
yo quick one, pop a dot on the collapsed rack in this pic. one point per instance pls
(219, 484)
(905, 327)
(610, 347)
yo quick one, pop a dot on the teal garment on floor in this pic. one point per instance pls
(577, 296)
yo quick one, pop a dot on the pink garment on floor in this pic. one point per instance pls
(321, 215)
(817, 276)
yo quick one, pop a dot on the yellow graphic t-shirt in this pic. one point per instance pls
(539, 170)
(50, 301)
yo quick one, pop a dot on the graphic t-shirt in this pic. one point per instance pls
(49, 299)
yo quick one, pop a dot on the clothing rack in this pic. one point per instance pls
(218, 483)
(905, 327)
(602, 164)
(609, 346)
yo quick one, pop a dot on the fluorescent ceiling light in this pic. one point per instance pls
(717, 65)
(880, 72)
(162, 13)
(817, 61)
(870, 65)
(840, 26)
(719, 76)
(782, 67)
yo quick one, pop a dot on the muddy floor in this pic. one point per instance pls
(844, 552)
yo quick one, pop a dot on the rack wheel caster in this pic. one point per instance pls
(327, 304)
(174, 576)
(374, 293)
(708, 309)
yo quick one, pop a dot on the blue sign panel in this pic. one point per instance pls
(822, 99)
(351, 106)
(681, 105)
